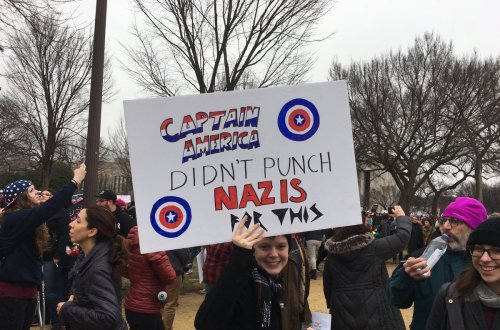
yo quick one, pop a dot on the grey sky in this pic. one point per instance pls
(363, 29)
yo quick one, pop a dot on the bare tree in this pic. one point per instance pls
(478, 106)
(14, 11)
(14, 146)
(49, 79)
(117, 148)
(385, 195)
(403, 117)
(206, 45)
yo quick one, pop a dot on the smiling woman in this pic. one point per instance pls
(473, 301)
(248, 293)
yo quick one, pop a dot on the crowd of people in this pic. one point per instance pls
(252, 282)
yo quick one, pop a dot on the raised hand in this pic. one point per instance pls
(247, 238)
(79, 173)
(398, 211)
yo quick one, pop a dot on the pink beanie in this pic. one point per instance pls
(467, 209)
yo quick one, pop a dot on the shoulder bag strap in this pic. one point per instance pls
(455, 318)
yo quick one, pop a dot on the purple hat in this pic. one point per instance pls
(467, 209)
(14, 189)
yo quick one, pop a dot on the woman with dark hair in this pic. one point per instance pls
(248, 294)
(355, 276)
(473, 300)
(95, 295)
(23, 239)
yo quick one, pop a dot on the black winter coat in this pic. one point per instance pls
(232, 303)
(59, 236)
(97, 297)
(449, 313)
(355, 280)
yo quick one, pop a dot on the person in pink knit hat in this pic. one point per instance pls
(410, 285)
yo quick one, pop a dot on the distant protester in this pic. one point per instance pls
(23, 239)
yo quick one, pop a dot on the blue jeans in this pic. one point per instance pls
(54, 288)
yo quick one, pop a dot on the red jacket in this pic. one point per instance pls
(149, 274)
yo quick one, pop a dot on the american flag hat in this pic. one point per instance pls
(14, 189)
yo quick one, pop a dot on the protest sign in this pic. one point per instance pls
(283, 155)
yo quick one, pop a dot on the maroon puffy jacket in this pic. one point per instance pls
(149, 274)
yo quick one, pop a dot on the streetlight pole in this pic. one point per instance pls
(94, 123)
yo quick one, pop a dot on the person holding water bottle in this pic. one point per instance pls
(415, 283)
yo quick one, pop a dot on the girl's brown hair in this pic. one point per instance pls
(466, 282)
(104, 221)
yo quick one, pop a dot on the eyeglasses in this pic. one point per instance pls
(478, 251)
(452, 221)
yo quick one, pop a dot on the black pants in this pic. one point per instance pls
(141, 321)
(16, 314)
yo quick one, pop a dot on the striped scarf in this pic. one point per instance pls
(266, 287)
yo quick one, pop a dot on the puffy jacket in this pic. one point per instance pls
(355, 280)
(149, 274)
(97, 296)
(21, 262)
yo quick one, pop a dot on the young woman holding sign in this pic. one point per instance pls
(248, 294)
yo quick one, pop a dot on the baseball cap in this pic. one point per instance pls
(107, 194)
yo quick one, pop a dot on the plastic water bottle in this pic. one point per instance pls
(435, 250)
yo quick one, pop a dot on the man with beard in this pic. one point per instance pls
(412, 284)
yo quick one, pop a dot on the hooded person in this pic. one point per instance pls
(355, 276)
(23, 238)
(414, 284)
(473, 300)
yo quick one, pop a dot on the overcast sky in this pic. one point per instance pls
(362, 29)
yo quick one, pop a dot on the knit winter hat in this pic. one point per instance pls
(487, 232)
(467, 209)
(14, 189)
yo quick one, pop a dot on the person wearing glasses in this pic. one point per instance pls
(473, 300)
(410, 285)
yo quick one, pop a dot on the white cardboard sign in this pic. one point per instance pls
(283, 155)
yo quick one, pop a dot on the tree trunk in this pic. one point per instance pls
(366, 189)
(478, 176)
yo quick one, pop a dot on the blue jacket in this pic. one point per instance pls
(21, 262)
(405, 291)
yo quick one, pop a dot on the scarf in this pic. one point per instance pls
(486, 295)
(266, 287)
